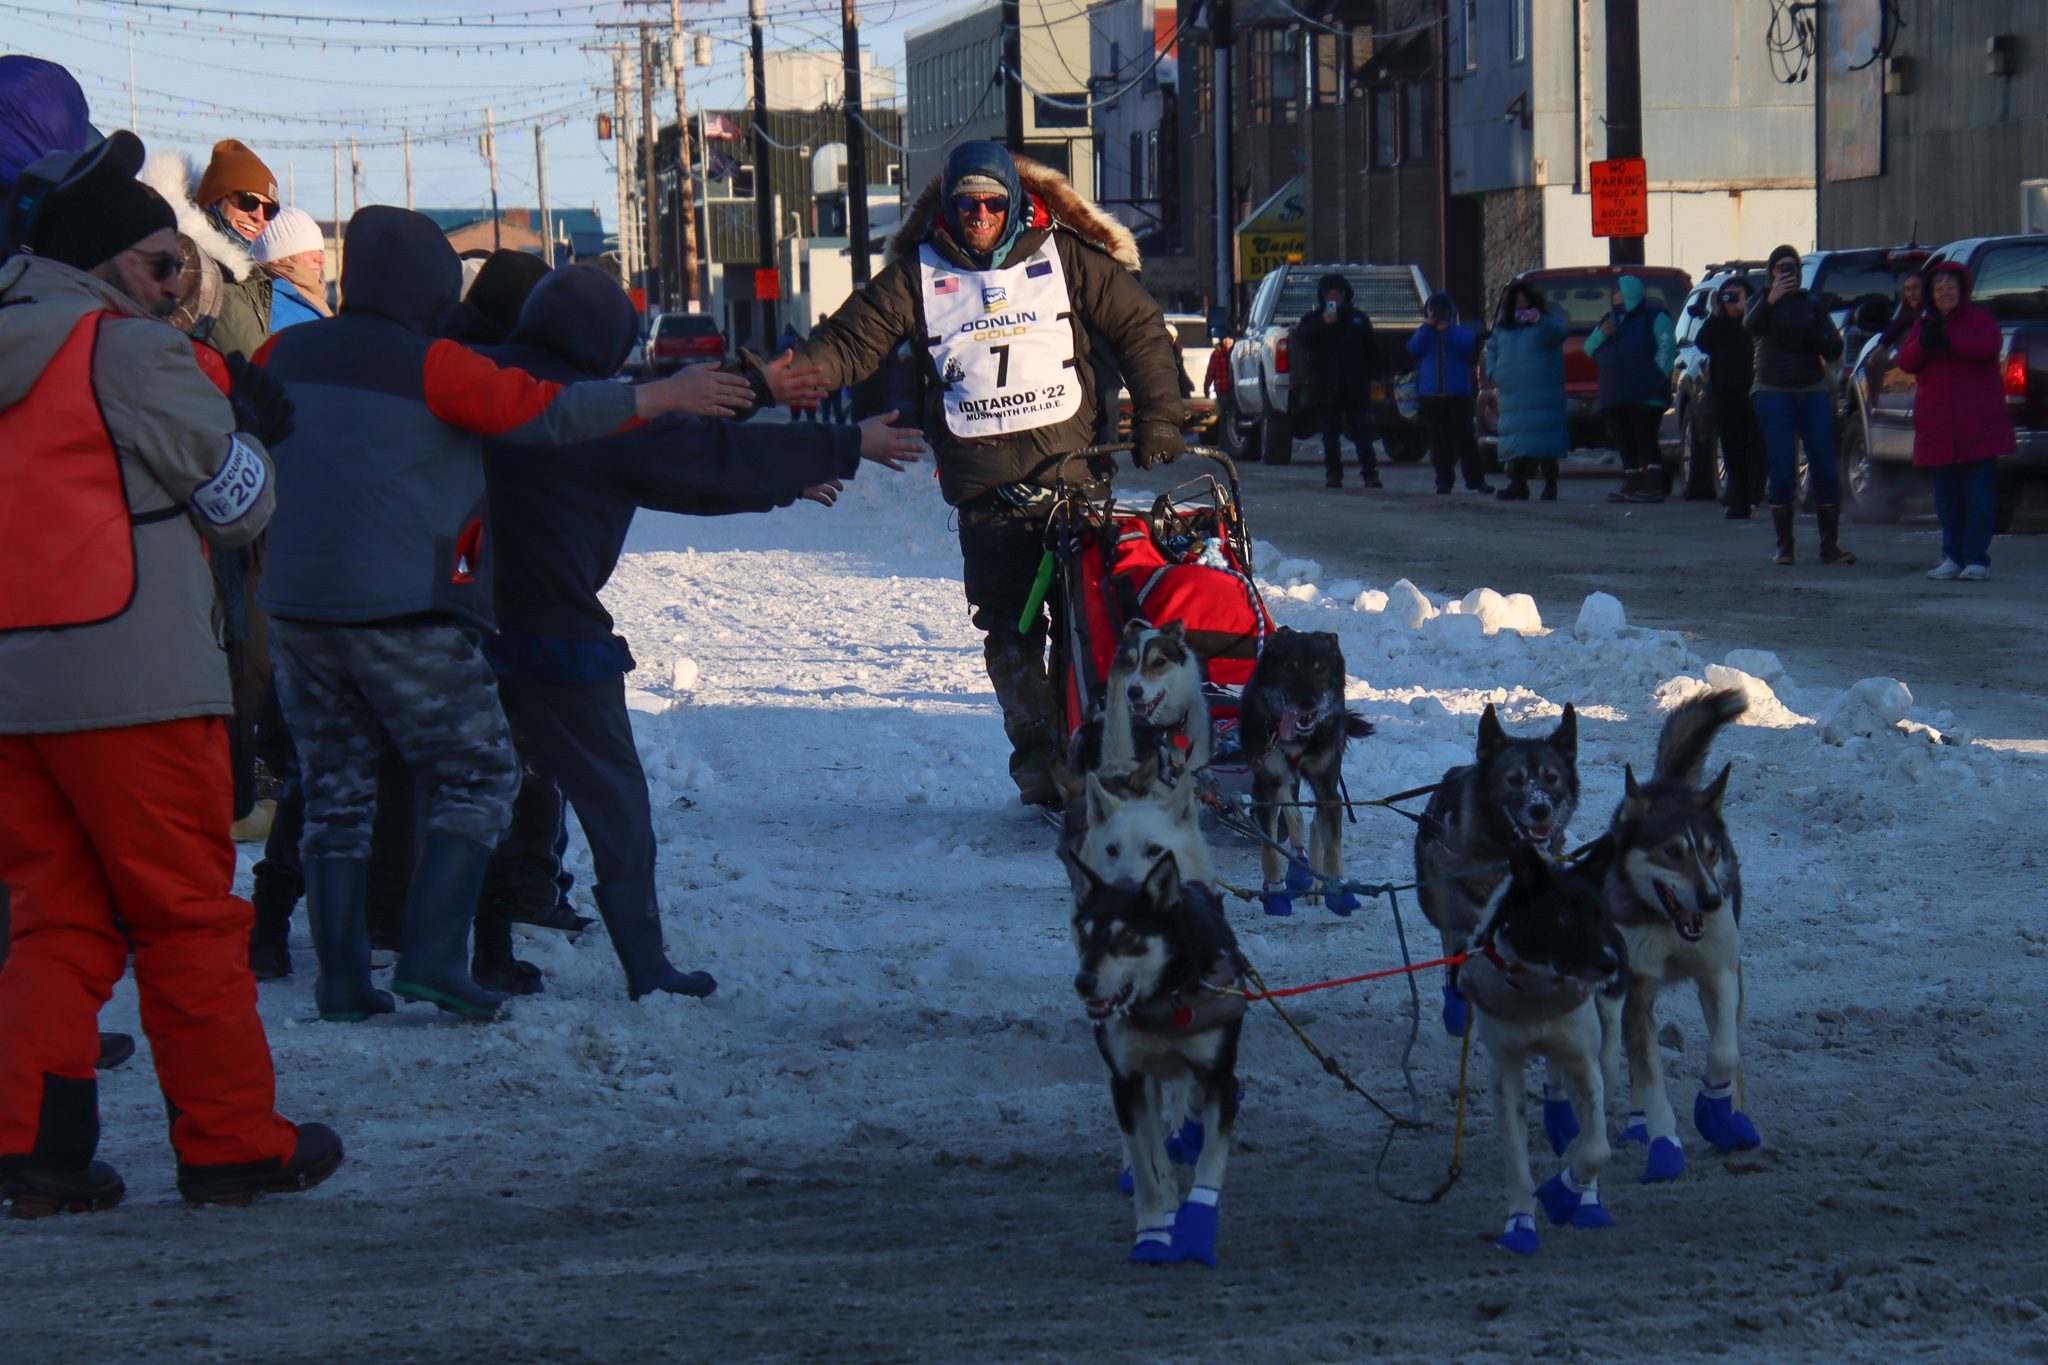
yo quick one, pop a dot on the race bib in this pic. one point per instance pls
(1004, 350)
(235, 490)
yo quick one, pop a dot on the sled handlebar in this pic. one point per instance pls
(1124, 448)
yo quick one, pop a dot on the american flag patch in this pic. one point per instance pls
(946, 284)
(1037, 268)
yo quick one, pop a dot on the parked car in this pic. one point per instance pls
(1263, 412)
(1584, 295)
(2010, 276)
(679, 339)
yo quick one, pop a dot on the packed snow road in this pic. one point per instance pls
(888, 1137)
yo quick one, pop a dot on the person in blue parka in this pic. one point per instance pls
(1525, 357)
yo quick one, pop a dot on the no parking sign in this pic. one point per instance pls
(1621, 197)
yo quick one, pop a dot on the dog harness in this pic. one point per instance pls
(1001, 342)
(1199, 1005)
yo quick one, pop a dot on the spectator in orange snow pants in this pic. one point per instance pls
(118, 461)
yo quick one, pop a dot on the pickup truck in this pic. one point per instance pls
(1263, 409)
(2010, 277)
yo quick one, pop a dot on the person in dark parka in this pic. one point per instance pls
(1343, 357)
(561, 518)
(1731, 373)
(490, 309)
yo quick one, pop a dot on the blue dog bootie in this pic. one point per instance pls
(1519, 1236)
(1636, 1130)
(1126, 1183)
(1727, 1128)
(1560, 1124)
(1194, 1227)
(1342, 903)
(1300, 880)
(1184, 1144)
(1666, 1163)
(1455, 1011)
(1275, 898)
(1154, 1246)
(1565, 1200)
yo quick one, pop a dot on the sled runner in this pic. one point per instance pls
(1184, 556)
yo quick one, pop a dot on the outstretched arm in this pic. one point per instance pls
(852, 344)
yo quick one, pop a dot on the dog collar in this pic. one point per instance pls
(1508, 970)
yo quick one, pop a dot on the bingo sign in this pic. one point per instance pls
(1621, 197)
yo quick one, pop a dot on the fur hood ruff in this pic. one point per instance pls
(177, 180)
(1069, 211)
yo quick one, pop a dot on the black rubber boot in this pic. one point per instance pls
(438, 914)
(270, 954)
(38, 1192)
(1831, 551)
(1549, 493)
(492, 963)
(337, 891)
(1781, 521)
(59, 1174)
(115, 1050)
(314, 1159)
(1516, 491)
(1016, 668)
(633, 919)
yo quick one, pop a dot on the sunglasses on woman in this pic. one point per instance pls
(254, 203)
(968, 206)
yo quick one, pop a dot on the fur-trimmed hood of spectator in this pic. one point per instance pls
(176, 178)
(1063, 207)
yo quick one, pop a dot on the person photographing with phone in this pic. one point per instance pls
(1796, 340)
(1336, 339)
(1633, 348)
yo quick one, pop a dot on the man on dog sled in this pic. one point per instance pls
(1007, 279)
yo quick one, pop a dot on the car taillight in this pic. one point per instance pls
(1280, 356)
(2016, 375)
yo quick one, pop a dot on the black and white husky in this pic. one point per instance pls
(1542, 957)
(1675, 891)
(1155, 693)
(1159, 977)
(1514, 793)
(1294, 725)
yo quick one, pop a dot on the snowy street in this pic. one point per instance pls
(888, 1136)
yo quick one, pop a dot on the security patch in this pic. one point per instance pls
(234, 491)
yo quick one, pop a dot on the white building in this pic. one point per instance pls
(1133, 58)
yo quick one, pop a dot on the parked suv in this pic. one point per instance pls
(1584, 295)
(2010, 277)
(1264, 409)
(679, 339)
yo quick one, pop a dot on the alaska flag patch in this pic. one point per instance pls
(1036, 269)
(946, 285)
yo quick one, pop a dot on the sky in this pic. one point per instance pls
(292, 87)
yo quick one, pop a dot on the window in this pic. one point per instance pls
(1330, 62)
(1046, 114)
(1137, 171)
(1275, 71)
(743, 183)
(1518, 30)
(1205, 75)
(1385, 144)
(1417, 125)
(1468, 35)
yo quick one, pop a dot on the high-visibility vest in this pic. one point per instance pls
(64, 514)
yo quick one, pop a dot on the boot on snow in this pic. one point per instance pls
(59, 1174)
(1016, 669)
(115, 1049)
(492, 963)
(633, 919)
(40, 1191)
(270, 954)
(337, 891)
(1781, 521)
(1831, 551)
(438, 914)
(315, 1158)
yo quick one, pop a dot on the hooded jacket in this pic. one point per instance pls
(559, 518)
(243, 320)
(1444, 357)
(1795, 338)
(1959, 408)
(1526, 364)
(1635, 363)
(1100, 261)
(381, 483)
(160, 658)
(42, 110)
(1343, 356)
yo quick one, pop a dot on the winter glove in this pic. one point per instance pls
(259, 401)
(1156, 443)
(1933, 331)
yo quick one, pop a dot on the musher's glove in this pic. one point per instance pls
(261, 408)
(1156, 443)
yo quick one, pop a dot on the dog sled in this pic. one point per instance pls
(1183, 556)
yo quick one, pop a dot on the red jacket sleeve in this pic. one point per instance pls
(465, 390)
(211, 365)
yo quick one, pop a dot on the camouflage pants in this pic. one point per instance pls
(427, 687)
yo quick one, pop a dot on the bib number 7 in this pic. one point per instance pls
(1002, 355)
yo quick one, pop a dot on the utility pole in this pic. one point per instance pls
(291, 182)
(764, 198)
(336, 147)
(684, 161)
(355, 179)
(1624, 106)
(408, 168)
(491, 155)
(856, 147)
(653, 282)
(1013, 77)
(132, 118)
(620, 142)
(1222, 35)
(540, 173)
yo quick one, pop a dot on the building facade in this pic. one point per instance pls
(1134, 59)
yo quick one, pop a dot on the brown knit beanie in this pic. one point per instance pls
(234, 167)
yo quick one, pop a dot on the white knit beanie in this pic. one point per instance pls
(291, 232)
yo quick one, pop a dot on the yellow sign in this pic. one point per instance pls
(1275, 234)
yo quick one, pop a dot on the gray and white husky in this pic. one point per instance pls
(1539, 965)
(1515, 792)
(1675, 891)
(1159, 973)
(1155, 693)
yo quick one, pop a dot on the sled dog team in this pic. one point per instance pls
(1565, 953)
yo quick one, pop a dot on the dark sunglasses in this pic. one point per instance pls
(254, 203)
(968, 206)
(163, 265)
